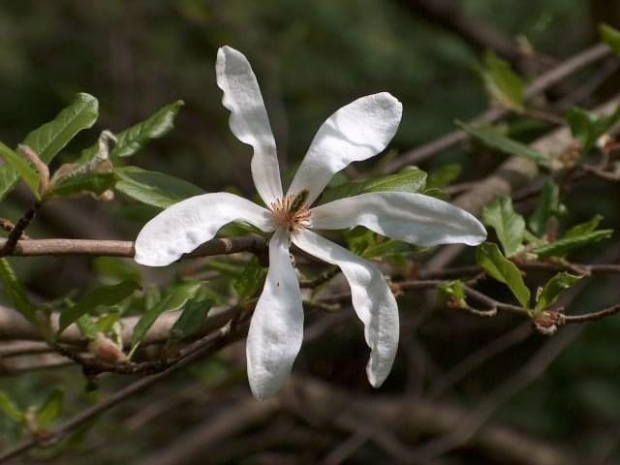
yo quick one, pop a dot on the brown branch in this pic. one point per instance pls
(207, 346)
(102, 248)
(8, 247)
(540, 84)
(586, 317)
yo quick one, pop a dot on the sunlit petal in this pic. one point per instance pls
(276, 330)
(414, 218)
(184, 226)
(373, 301)
(248, 119)
(356, 132)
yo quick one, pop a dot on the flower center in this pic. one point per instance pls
(292, 212)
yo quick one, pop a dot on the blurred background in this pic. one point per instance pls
(311, 58)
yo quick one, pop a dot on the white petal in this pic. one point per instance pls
(373, 301)
(356, 132)
(248, 119)
(181, 228)
(276, 330)
(414, 218)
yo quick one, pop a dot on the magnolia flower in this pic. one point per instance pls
(356, 132)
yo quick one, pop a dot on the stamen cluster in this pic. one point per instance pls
(291, 212)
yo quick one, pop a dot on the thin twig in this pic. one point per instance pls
(18, 230)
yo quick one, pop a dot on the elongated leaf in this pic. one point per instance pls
(491, 137)
(152, 188)
(133, 139)
(563, 246)
(548, 205)
(107, 295)
(191, 320)
(503, 84)
(582, 229)
(175, 300)
(16, 293)
(53, 136)
(408, 180)
(508, 225)
(610, 36)
(490, 258)
(87, 327)
(551, 291)
(9, 407)
(22, 167)
(96, 183)
(251, 280)
(51, 408)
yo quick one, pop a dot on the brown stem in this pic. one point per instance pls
(18, 230)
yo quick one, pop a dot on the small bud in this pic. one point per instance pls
(106, 350)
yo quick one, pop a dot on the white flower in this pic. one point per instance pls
(356, 132)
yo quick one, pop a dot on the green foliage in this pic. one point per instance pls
(502, 83)
(16, 293)
(491, 260)
(552, 289)
(10, 408)
(175, 299)
(50, 409)
(410, 180)
(610, 36)
(102, 296)
(509, 226)
(152, 188)
(191, 320)
(251, 280)
(494, 139)
(562, 246)
(53, 136)
(133, 139)
(587, 128)
(582, 229)
(95, 183)
(22, 167)
(454, 292)
(548, 206)
(444, 176)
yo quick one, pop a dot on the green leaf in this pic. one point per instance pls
(496, 140)
(22, 167)
(174, 300)
(587, 127)
(490, 258)
(152, 188)
(410, 179)
(251, 280)
(51, 408)
(453, 290)
(508, 225)
(560, 247)
(9, 407)
(503, 84)
(550, 292)
(16, 293)
(133, 139)
(107, 295)
(87, 327)
(610, 36)
(52, 137)
(97, 183)
(548, 206)
(444, 176)
(384, 247)
(191, 320)
(582, 229)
